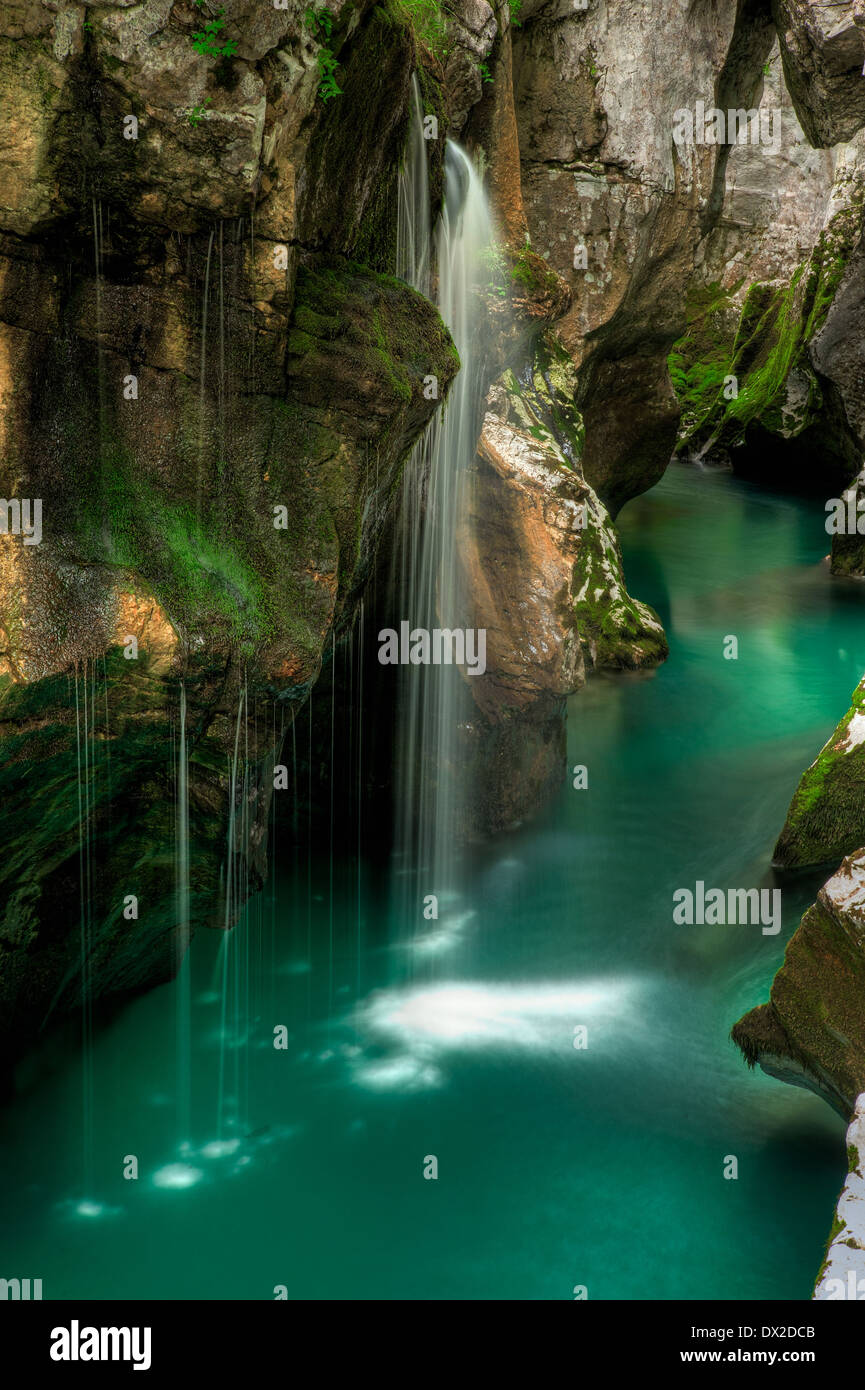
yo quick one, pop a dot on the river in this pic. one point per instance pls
(559, 1167)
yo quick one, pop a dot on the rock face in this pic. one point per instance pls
(823, 48)
(842, 1275)
(774, 204)
(542, 563)
(210, 382)
(617, 207)
(754, 383)
(812, 1031)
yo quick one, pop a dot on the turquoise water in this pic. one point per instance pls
(557, 1167)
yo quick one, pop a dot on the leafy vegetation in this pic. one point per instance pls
(427, 21)
(198, 111)
(207, 40)
(320, 21)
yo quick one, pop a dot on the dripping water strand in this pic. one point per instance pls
(184, 986)
(81, 747)
(230, 899)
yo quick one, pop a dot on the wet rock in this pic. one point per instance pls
(827, 814)
(211, 383)
(812, 1031)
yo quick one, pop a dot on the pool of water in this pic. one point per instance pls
(557, 1166)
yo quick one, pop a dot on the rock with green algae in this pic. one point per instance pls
(826, 818)
(216, 595)
(812, 1031)
(215, 447)
(615, 631)
(753, 382)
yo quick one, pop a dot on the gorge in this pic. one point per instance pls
(322, 323)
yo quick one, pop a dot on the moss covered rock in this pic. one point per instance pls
(812, 1031)
(826, 818)
(211, 384)
(747, 382)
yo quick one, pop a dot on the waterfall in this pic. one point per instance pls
(413, 218)
(435, 502)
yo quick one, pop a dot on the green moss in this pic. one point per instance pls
(700, 360)
(616, 631)
(198, 571)
(397, 376)
(300, 343)
(427, 21)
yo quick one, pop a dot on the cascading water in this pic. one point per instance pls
(413, 219)
(435, 503)
(235, 895)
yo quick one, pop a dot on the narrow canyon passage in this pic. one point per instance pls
(557, 1166)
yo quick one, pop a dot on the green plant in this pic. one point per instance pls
(427, 22)
(321, 19)
(521, 269)
(486, 75)
(197, 111)
(767, 67)
(327, 66)
(494, 260)
(321, 22)
(206, 40)
(515, 6)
